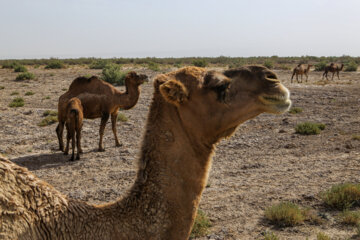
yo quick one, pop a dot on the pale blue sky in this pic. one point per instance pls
(178, 28)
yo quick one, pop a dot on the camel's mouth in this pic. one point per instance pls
(277, 103)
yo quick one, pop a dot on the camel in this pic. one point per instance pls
(301, 70)
(333, 68)
(191, 110)
(74, 119)
(100, 100)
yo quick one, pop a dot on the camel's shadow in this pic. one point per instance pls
(39, 161)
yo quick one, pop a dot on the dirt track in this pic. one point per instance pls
(263, 163)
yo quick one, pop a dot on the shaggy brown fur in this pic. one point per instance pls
(333, 68)
(100, 100)
(74, 121)
(185, 121)
(301, 70)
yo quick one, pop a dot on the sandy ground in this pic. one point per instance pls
(264, 163)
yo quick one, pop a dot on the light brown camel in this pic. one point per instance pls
(301, 70)
(333, 68)
(191, 110)
(100, 100)
(74, 122)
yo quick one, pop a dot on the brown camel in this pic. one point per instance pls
(301, 70)
(74, 121)
(191, 110)
(333, 68)
(100, 100)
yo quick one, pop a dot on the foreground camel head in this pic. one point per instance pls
(135, 78)
(213, 106)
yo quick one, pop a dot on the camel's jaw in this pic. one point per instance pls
(276, 102)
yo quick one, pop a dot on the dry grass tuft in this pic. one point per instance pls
(342, 196)
(201, 225)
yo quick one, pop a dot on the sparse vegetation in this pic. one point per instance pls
(350, 217)
(355, 137)
(295, 110)
(20, 68)
(55, 64)
(269, 64)
(2, 87)
(112, 74)
(201, 225)
(50, 113)
(342, 196)
(122, 117)
(14, 93)
(351, 67)
(48, 120)
(200, 63)
(308, 128)
(322, 236)
(98, 64)
(17, 102)
(320, 66)
(153, 66)
(285, 214)
(25, 76)
(270, 236)
(47, 97)
(9, 64)
(29, 93)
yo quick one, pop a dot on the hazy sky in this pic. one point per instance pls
(178, 28)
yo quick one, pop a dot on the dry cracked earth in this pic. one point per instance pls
(263, 163)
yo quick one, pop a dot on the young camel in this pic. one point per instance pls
(333, 68)
(191, 110)
(301, 70)
(100, 100)
(74, 119)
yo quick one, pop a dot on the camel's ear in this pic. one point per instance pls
(174, 92)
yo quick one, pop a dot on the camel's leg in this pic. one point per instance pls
(73, 146)
(66, 152)
(325, 73)
(301, 78)
(59, 133)
(306, 76)
(113, 123)
(337, 73)
(104, 119)
(297, 78)
(292, 77)
(333, 76)
(78, 140)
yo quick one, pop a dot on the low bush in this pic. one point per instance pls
(17, 102)
(322, 236)
(269, 64)
(153, 66)
(48, 120)
(350, 217)
(200, 63)
(342, 196)
(351, 67)
(29, 93)
(50, 113)
(122, 117)
(201, 225)
(14, 93)
(112, 74)
(295, 110)
(285, 214)
(270, 236)
(55, 64)
(98, 64)
(308, 128)
(20, 68)
(25, 76)
(10, 65)
(2, 87)
(320, 66)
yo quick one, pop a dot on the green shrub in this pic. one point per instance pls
(350, 217)
(29, 93)
(322, 236)
(48, 120)
(295, 110)
(153, 66)
(308, 128)
(17, 102)
(285, 214)
(320, 66)
(98, 64)
(201, 225)
(47, 97)
(25, 76)
(112, 74)
(122, 117)
(270, 236)
(351, 67)
(269, 64)
(9, 65)
(200, 63)
(14, 93)
(342, 196)
(20, 68)
(2, 87)
(55, 64)
(50, 113)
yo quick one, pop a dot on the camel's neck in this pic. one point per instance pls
(129, 98)
(172, 173)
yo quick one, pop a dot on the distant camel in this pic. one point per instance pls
(74, 119)
(192, 109)
(333, 68)
(301, 70)
(100, 100)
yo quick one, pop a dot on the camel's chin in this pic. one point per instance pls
(279, 107)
